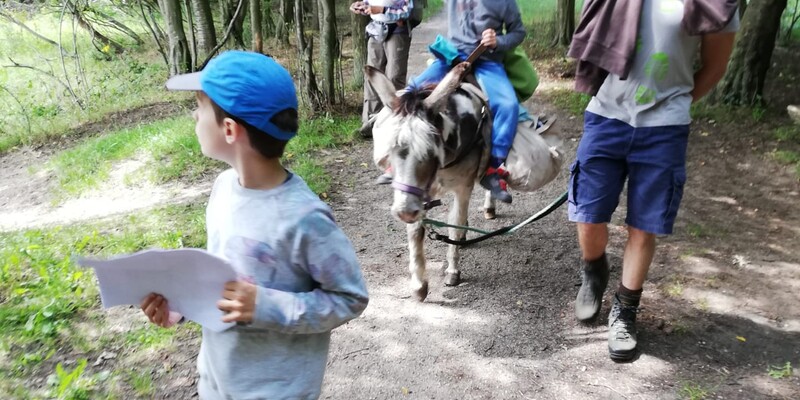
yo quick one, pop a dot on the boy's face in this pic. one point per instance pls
(210, 133)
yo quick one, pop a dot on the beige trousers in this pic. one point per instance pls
(391, 57)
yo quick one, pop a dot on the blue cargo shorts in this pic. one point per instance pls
(653, 160)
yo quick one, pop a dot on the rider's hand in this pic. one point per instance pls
(489, 38)
(156, 309)
(374, 10)
(238, 302)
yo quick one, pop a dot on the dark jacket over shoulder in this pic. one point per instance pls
(605, 38)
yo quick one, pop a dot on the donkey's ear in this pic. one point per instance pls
(382, 85)
(448, 85)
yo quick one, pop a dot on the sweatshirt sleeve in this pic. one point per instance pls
(515, 30)
(340, 293)
(399, 11)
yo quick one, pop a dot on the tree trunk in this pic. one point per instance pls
(178, 52)
(266, 18)
(313, 9)
(286, 20)
(308, 81)
(565, 22)
(192, 36)
(255, 26)
(743, 84)
(742, 8)
(329, 52)
(358, 26)
(204, 23)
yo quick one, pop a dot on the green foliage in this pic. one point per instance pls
(788, 134)
(36, 102)
(142, 383)
(692, 391)
(72, 385)
(44, 295)
(779, 372)
(571, 101)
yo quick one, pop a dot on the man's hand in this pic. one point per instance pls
(374, 10)
(156, 309)
(238, 302)
(359, 8)
(489, 38)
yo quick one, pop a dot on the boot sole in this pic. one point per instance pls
(622, 355)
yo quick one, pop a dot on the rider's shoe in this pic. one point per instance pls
(494, 183)
(385, 178)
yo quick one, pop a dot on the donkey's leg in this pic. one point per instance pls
(458, 216)
(416, 260)
(489, 206)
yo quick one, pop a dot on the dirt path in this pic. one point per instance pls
(721, 304)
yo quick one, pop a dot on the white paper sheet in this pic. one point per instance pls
(191, 280)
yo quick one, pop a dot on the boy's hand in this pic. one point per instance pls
(238, 301)
(156, 309)
(374, 10)
(489, 38)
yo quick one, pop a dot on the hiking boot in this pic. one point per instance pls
(365, 131)
(386, 177)
(590, 295)
(494, 183)
(622, 331)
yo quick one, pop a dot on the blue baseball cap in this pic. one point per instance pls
(247, 85)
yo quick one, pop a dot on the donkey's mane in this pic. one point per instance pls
(412, 100)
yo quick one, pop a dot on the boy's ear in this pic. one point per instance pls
(233, 130)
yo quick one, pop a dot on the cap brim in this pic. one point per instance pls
(185, 82)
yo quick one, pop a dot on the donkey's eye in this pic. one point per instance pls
(403, 153)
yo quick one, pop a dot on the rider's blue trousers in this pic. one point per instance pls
(502, 99)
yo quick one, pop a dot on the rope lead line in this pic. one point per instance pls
(489, 234)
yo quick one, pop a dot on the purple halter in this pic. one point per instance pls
(419, 192)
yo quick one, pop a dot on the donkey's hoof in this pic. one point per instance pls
(452, 279)
(422, 292)
(489, 213)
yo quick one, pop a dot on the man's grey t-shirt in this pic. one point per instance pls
(659, 85)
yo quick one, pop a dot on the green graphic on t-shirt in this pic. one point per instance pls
(657, 67)
(645, 95)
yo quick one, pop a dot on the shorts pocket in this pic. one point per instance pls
(574, 169)
(676, 194)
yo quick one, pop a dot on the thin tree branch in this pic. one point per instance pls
(15, 64)
(153, 32)
(224, 38)
(25, 27)
(21, 106)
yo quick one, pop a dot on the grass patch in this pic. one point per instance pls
(692, 391)
(780, 372)
(696, 230)
(142, 383)
(573, 102)
(789, 134)
(675, 289)
(44, 296)
(434, 6)
(167, 150)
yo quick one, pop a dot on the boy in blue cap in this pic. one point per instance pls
(300, 276)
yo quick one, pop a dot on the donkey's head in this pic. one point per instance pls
(415, 126)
